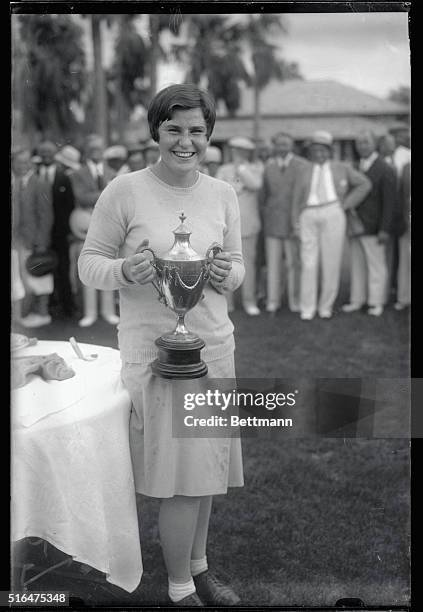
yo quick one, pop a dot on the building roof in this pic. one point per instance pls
(298, 97)
(341, 128)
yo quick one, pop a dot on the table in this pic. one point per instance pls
(72, 480)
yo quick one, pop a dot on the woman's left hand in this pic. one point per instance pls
(220, 267)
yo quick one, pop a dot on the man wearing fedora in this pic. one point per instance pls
(212, 161)
(281, 173)
(246, 178)
(88, 182)
(327, 188)
(115, 157)
(54, 172)
(135, 159)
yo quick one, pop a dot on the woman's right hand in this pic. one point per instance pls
(137, 268)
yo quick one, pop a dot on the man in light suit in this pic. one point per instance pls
(88, 182)
(327, 188)
(281, 173)
(369, 272)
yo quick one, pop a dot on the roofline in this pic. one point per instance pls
(314, 115)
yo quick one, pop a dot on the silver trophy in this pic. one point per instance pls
(181, 274)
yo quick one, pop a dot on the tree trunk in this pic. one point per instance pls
(256, 126)
(100, 94)
(154, 53)
(122, 111)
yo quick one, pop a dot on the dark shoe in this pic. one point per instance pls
(213, 592)
(190, 601)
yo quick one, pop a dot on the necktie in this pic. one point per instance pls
(321, 187)
(43, 173)
(100, 179)
(46, 174)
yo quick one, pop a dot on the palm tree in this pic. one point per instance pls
(211, 52)
(99, 92)
(53, 73)
(218, 48)
(254, 31)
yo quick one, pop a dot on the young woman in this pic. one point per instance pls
(142, 208)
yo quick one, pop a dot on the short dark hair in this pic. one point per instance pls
(180, 97)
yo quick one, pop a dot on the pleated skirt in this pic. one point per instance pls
(166, 463)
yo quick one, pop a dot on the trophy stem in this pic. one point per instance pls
(180, 326)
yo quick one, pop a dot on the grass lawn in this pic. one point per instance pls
(318, 519)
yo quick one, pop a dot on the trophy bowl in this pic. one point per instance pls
(181, 274)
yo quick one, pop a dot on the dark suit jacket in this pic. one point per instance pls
(85, 186)
(350, 185)
(276, 195)
(63, 202)
(377, 209)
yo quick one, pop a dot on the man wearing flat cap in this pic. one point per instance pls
(88, 182)
(53, 171)
(246, 178)
(327, 188)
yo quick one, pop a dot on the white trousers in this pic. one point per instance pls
(369, 272)
(404, 269)
(322, 233)
(107, 302)
(279, 272)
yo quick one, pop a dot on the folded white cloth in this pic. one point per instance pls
(95, 380)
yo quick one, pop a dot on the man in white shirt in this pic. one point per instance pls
(326, 190)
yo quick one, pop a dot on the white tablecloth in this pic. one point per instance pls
(72, 480)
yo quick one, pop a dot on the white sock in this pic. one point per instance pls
(179, 590)
(198, 566)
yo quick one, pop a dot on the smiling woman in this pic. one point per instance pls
(183, 143)
(181, 120)
(141, 208)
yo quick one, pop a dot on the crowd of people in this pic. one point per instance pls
(296, 213)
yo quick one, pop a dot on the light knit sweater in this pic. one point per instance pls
(137, 206)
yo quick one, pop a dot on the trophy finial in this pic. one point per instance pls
(182, 216)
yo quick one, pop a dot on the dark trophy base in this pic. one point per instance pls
(179, 359)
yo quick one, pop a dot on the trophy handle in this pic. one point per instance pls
(213, 250)
(155, 285)
(216, 248)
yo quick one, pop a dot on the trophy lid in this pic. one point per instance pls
(182, 229)
(181, 249)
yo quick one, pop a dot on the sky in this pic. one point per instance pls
(369, 51)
